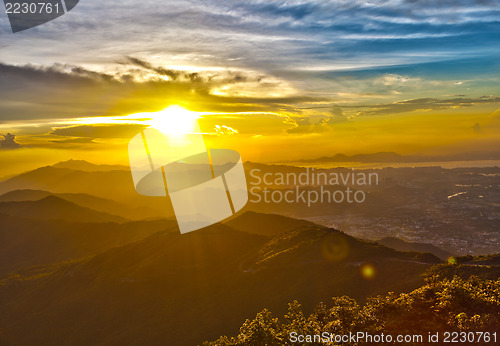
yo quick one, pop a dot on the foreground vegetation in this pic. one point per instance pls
(455, 304)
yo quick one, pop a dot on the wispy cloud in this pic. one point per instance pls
(264, 35)
(65, 91)
(424, 105)
(99, 131)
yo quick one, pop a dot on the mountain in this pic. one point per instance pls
(110, 184)
(156, 289)
(485, 260)
(402, 245)
(83, 200)
(265, 224)
(116, 185)
(53, 207)
(82, 165)
(25, 242)
(24, 195)
(484, 267)
(391, 157)
(368, 158)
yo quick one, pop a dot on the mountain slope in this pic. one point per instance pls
(108, 184)
(84, 200)
(402, 245)
(25, 242)
(157, 289)
(116, 185)
(53, 207)
(265, 224)
(82, 165)
(24, 195)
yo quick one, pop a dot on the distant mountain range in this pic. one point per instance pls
(391, 157)
(84, 200)
(53, 207)
(82, 165)
(115, 185)
(112, 184)
(402, 245)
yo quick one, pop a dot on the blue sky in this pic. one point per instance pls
(348, 51)
(266, 35)
(315, 66)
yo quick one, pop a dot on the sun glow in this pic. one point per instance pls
(175, 121)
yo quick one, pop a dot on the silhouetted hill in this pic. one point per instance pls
(392, 157)
(114, 185)
(375, 157)
(111, 184)
(24, 195)
(25, 242)
(479, 260)
(53, 207)
(83, 200)
(402, 245)
(437, 307)
(484, 267)
(82, 165)
(266, 224)
(155, 290)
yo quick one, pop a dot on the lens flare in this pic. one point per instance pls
(335, 248)
(368, 271)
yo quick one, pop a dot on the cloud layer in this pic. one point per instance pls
(268, 35)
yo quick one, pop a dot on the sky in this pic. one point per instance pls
(277, 80)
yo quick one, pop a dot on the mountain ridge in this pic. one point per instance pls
(84, 200)
(30, 242)
(83, 165)
(392, 157)
(53, 207)
(402, 245)
(180, 280)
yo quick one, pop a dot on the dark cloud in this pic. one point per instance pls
(99, 131)
(9, 142)
(160, 70)
(76, 140)
(477, 128)
(306, 126)
(197, 78)
(284, 9)
(63, 91)
(338, 116)
(337, 110)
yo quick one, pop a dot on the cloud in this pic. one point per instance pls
(338, 116)
(307, 126)
(76, 140)
(65, 91)
(98, 131)
(423, 104)
(496, 114)
(477, 128)
(228, 52)
(391, 79)
(261, 35)
(223, 130)
(9, 142)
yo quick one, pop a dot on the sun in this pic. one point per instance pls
(175, 121)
